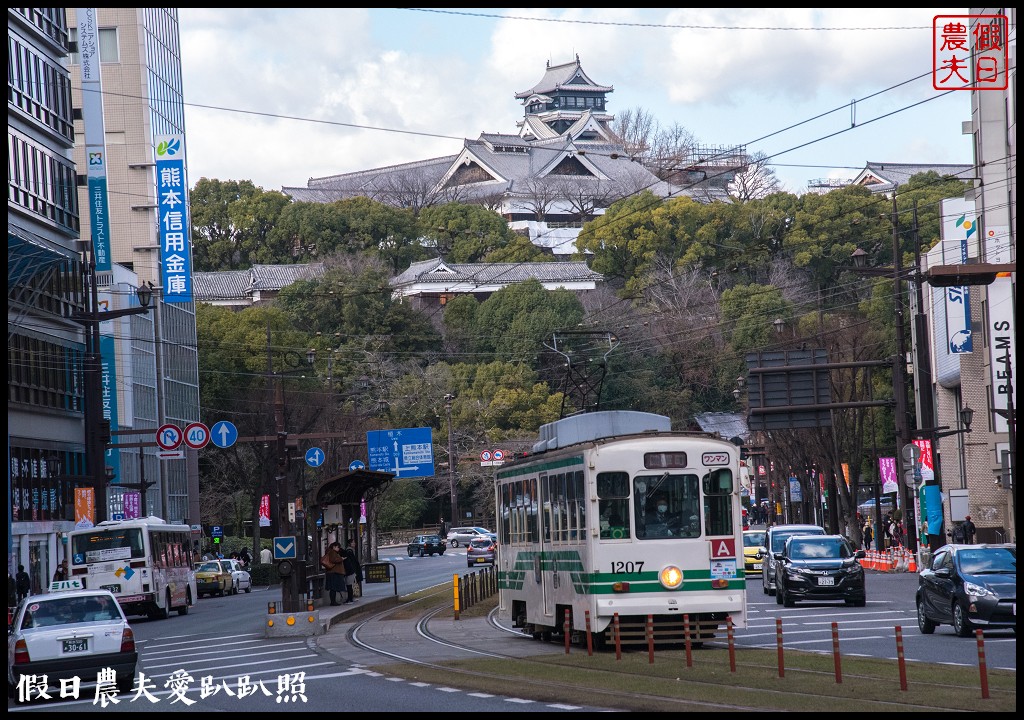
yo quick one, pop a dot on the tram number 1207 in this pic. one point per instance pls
(620, 566)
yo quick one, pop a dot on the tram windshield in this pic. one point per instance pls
(667, 505)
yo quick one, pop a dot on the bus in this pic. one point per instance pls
(145, 562)
(614, 519)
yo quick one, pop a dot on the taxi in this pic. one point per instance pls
(66, 633)
(212, 578)
(754, 551)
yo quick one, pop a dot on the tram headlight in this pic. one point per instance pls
(671, 577)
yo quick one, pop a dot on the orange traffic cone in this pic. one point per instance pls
(912, 567)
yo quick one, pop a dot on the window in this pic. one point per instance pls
(108, 46)
(666, 505)
(613, 504)
(718, 487)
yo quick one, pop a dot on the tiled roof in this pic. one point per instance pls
(242, 284)
(895, 174)
(727, 425)
(223, 285)
(437, 270)
(559, 76)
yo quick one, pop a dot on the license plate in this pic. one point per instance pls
(480, 559)
(77, 645)
(112, 588)
(826, 581)
(757, 566)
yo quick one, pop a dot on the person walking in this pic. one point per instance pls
(333, 563)
(23, 583)
(353, 574)
(969, 530)
(245, 557)
(266, 557)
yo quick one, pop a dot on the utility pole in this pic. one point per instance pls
(453, 488)
(900, 389)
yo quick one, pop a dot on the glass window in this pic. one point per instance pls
(613, 504)
(666, 505)
(718, 487)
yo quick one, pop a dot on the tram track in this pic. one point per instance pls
(429, 652)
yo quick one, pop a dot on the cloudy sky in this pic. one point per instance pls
(279, 96)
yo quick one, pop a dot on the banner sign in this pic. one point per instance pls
(85, 507)
(887, 473)
(265, 511)
(1002, 331)
(95, 137)
(172, 219)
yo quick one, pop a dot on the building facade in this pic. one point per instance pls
(158, 376)
(45, 348)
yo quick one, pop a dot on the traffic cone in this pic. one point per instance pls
(912, 564)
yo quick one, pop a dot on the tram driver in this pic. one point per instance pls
(659, 521)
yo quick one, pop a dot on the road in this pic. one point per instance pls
(222, 641)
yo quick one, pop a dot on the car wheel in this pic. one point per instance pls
(126, 683)
(421, 552)
(440, 552)
(778, 597)
(961, 624)
(787, 599)
(183, 610)
(248, 588)
(926, 626)
(469, 564)
(455, 543)
(410, 552)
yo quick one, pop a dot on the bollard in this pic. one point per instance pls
(618, 639)
(566, 630)
(835, 653)
(590, 638)
(900, 660)
(732, 643)
(778, 643)
(686, 635)
(455, 589)
(982, 666)
(650, 639)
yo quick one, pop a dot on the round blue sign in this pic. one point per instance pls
(315, 457)
(223, 434)
(356, 465)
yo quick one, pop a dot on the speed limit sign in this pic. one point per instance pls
(197, 435)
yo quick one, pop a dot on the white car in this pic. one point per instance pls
(462, 535)
(240, 578)
(69, 633)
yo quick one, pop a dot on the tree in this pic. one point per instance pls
(231, 222)
(464, 233)
(756, 181)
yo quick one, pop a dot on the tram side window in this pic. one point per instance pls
(576, 491)
(718, 487)
(613, 504)
(530, 508)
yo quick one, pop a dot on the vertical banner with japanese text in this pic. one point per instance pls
(85, 507)
(172, 219)
(265, 511)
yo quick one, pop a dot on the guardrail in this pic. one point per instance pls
(474, 587)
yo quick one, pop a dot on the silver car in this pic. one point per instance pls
(775, 540)
(462, 535)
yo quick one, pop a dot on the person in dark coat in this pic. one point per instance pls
(969, 530)
(335, 572)
(353, 573)
(24, 583)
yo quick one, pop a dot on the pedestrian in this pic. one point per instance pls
(61, 573)
(869, 534)
(333, 563)
(353, 574)
(969, 530)
(23, 582)
(266, 557)
(12, 591)
(245, 557)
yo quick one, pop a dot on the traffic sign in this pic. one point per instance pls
(197, 435)
(357, 465)
(168, 437)
(911, 453)
(408, 452)
(485, 456)
(315, 457)
(284, 548)
(223, 434)
(117, 516)
(499, 455)
(216, 531)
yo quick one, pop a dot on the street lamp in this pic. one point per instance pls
(97, 429)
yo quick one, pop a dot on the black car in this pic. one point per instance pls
(969, 586)
(819, 567)
(426, 545)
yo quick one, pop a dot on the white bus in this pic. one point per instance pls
(614, 515)
(146, 563)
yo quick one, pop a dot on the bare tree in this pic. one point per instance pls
(758, 180)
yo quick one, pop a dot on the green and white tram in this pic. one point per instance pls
(614, 514)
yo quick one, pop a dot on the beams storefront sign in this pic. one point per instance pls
(173, 223)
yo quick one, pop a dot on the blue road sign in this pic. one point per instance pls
(315, 457)
(357, 465)
(223, 434)
(408, 452)
(284, 548)
(216, 531)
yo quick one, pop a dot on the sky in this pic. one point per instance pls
(278, 96)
